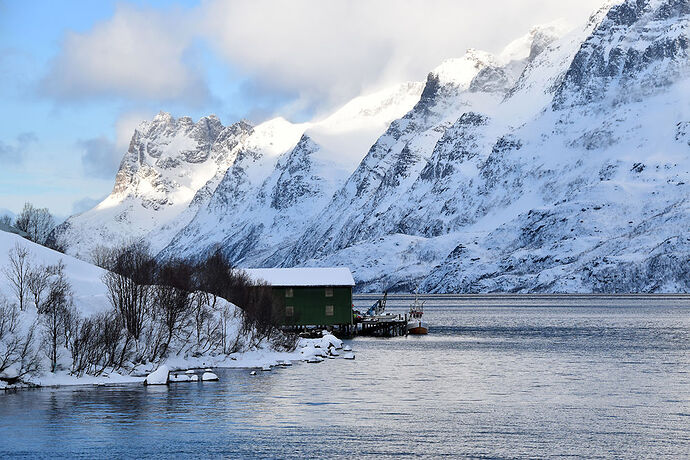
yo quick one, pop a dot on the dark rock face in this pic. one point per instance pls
(492, 80)
(458, 144)
(296, 181)
(613, 58)
(683, 132)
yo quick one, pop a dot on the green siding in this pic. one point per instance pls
(309, 305)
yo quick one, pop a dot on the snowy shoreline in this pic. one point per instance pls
(307, 349)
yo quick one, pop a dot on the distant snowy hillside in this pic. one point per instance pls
(560, 164)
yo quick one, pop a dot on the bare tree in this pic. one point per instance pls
(55, 313)
(102, 256)
(129, 284)
(5, 220)
(173, 285)
(36, 222)
(37, 282)
(17, 272)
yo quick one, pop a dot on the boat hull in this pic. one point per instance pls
(417, 330)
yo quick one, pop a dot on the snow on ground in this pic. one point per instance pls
(90, 294)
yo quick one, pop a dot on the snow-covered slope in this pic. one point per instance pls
(90, 294)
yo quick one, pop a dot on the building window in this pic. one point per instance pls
(329, 310)
(289, 292)
(289, 310)
(329, 292)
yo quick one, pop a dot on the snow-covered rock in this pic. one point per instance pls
(328, 340)
(158, 377)
(208, 376)
(575, 179)
(180, 378)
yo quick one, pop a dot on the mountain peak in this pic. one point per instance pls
(460, 71)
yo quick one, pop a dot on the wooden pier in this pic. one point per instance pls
(372, 326)
(383, 326)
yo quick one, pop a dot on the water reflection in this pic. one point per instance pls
(487, 382)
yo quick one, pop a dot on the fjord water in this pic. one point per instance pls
(488, 382)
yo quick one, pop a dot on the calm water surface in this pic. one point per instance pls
(486, 383)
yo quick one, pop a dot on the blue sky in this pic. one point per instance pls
(76, 77)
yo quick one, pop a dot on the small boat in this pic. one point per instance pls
(414, 324)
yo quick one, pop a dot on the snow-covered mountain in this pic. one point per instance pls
(173, 167)
(574, 181)
(560, 164)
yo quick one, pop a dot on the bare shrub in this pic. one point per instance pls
(18, 355)
(216, 275)
(96, 344)
(173, 300)
(102, 256)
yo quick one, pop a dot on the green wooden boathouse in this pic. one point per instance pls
(309, 296)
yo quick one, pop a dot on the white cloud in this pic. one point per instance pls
(99, 157)
(138, 53)
(322, 52)
(15, 152)
(327, 52)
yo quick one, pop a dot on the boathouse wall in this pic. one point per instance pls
(312, 305)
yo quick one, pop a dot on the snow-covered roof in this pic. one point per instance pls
(336, 276)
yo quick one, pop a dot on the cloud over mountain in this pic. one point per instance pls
(313, 54)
